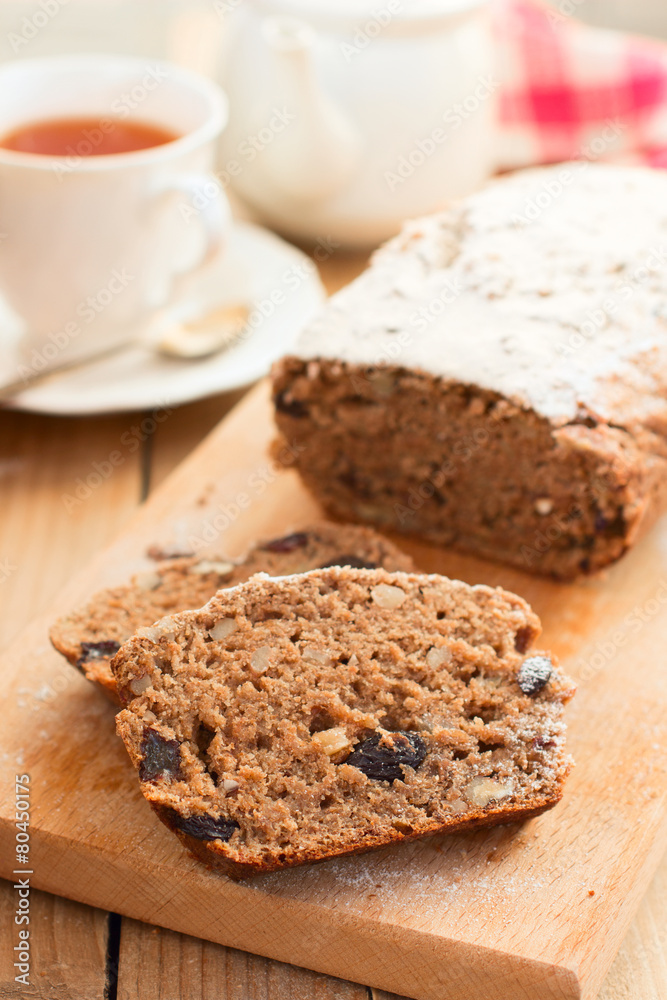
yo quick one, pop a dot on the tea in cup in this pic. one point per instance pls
(101, 161)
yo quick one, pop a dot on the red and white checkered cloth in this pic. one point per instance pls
(570, 91)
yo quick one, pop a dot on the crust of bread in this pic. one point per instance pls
(217, 856)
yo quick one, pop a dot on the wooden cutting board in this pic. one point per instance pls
(516, 913)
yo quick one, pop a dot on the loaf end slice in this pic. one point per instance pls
(90, 636)
(412, 452)
(496, 382)
(307, 717)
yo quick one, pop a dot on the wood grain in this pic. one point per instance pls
(39, 459)
(509, 909)
(639, 971)
(185, 427)
(46, 531)
(68, 948)
(42, 544)
(191, 969)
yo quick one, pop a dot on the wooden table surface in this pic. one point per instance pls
(79, 953)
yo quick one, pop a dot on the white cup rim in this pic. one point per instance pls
(208, 89)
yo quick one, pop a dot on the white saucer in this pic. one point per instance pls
(284, 290)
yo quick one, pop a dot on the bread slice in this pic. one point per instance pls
(91, 635)
(306, 717)
(516, 339)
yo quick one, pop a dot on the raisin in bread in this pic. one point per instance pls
(91, 635)
(497, 380)
(305, 717)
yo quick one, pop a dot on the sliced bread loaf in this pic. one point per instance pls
(89, 636)
(496, 382)
(300, 718)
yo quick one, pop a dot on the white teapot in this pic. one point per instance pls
(346, 116)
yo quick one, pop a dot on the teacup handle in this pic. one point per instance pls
(210, 210)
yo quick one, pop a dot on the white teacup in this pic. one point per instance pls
(92, 246)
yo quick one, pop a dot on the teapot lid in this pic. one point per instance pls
(360, 10)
